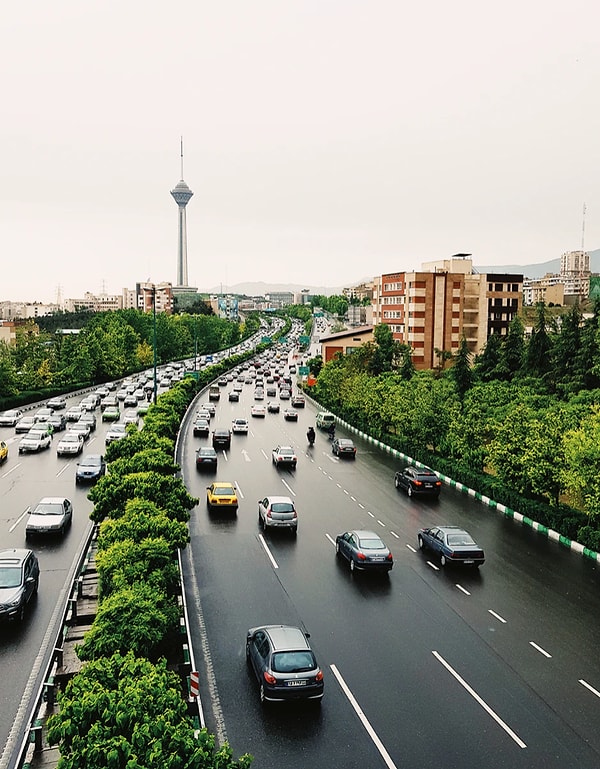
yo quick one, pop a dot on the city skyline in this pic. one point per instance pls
(326, 142)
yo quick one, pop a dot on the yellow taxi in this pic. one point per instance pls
(3, 451)
(222, 496)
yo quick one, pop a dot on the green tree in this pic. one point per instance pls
(461, 371)
(539, 348)
(123, 711)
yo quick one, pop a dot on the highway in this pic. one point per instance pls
(24, 480)
(427, 668)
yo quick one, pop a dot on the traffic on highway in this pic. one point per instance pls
(326, 582)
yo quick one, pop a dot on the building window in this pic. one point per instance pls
(499, 287)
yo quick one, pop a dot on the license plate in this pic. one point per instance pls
(378, 559)
(428, 485)
(295, 683)
(468, 560)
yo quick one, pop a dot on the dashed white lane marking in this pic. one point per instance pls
(261, 539)
(288, 487)
(589, 687)
(410, 547)
(363, 719)
(463, 590)
(478, 699)
(540, 650)
(381, 523)
(433, 566)
(497, 616)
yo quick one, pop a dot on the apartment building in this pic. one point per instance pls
(432, 309)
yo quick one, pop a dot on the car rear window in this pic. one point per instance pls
(455, 540)
(293, 662)
(282, 507)
(224, 491)
(372, 544)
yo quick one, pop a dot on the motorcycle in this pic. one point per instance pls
(310, 435)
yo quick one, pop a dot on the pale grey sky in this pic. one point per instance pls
(325, 140)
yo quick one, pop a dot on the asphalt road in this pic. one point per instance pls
(24, 480)
(426, 668)
(494, 667)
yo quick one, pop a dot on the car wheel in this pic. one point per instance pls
(409, 490)
(36, 586)
(396, 482)
(421, 543)
(262, 694)
(352, 566)
(443, 560)
(337, 548)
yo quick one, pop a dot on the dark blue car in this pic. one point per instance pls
(452, 544)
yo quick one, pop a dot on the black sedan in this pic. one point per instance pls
(453, 545)
(343, 447)
(419, 481)
(206, 459)
(365, 550)
(221, 439)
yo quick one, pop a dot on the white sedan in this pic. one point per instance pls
(71, 444)
(239, 426)
(35, 440)
(258, 411)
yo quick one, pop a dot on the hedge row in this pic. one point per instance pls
(127, 707)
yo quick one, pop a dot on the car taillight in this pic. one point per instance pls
(269, 513)
(295, 514)
(390, 557)
(418, 483)
(269, 678)
(319, 676)
(361, 556)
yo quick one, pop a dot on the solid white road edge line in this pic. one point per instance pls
(261, 539)
(478, 699)
(365, 722)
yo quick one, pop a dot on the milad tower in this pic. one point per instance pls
(181, 194)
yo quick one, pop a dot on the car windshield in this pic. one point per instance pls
(90, 463)
(372, 544)
(293, 662)
(35, 434)
(282, 507)
(456, 540)
(10, 576)
(49, 509)
(224, 491)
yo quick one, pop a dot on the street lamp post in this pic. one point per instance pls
(154, 338)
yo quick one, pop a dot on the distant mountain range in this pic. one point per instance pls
(541, 268)
(259, 288)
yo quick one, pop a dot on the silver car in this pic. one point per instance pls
(276, 512)
(51, 515)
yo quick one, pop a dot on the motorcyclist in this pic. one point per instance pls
(310, 434)
(331, 431)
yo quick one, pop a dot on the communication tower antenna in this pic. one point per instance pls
(182, 157)
(582, 262)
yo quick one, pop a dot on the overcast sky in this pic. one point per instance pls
(325, 141)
